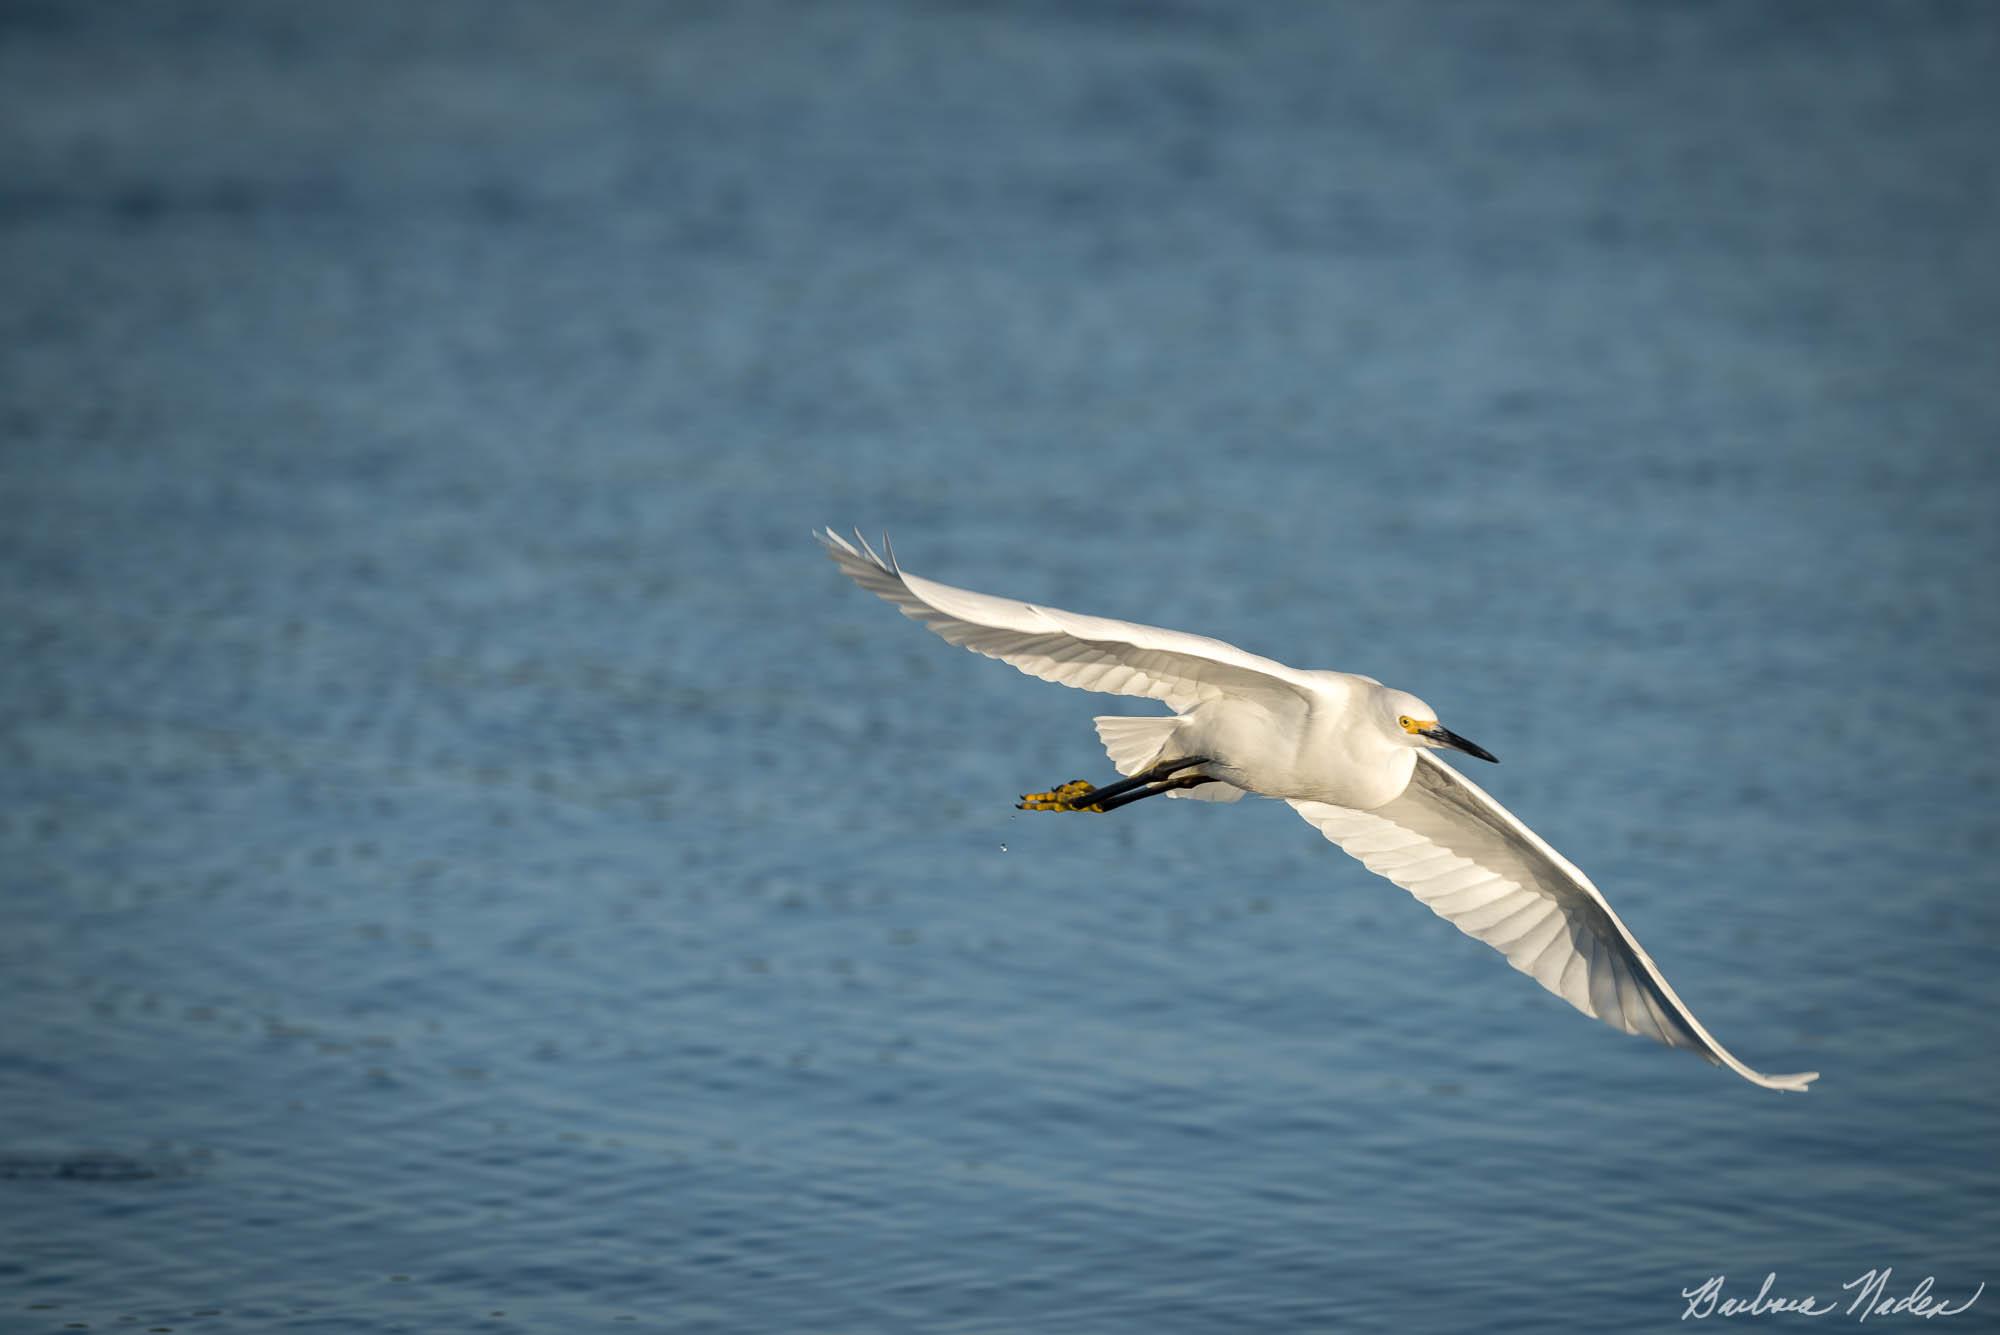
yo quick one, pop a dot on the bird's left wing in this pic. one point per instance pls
(1474, 864)
(1087, 652)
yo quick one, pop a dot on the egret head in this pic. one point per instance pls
(1417, 723)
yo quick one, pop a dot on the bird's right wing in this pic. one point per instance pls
(1089, 653)
(1474, 864)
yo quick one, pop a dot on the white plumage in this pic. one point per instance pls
(1354, 758)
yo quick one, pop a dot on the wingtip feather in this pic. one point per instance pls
(841, 550)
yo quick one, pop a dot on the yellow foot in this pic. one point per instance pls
(1065, 798)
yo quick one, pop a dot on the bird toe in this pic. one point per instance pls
(1063, 797)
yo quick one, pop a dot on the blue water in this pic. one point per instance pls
(464, 852)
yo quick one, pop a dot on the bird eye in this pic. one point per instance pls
(1403, 722)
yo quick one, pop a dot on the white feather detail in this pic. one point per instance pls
(1471, 862)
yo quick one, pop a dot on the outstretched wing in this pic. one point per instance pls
(1476, 866)
(1089, 653)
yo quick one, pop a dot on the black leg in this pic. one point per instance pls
(1184, 781)
(1153, 775)
(1076, 795)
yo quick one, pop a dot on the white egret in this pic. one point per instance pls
(1352, 756)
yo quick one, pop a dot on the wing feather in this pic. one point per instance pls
(1455, 902)
(1087, 652)
(1471, 862)
(1468, 878)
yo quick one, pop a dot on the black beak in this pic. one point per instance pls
(1458, 743)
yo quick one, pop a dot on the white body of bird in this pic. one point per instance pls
(1355, 759)
(1328, 739)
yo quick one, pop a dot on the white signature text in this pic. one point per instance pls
(1870, 1290)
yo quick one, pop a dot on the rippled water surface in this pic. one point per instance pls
(467, 860)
